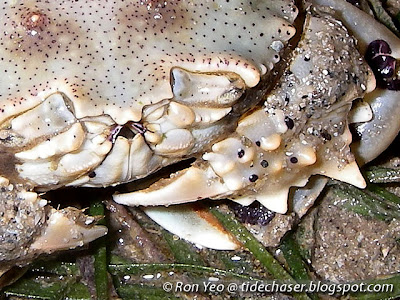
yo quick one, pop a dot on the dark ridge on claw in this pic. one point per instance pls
(253, 214)
(383, 65)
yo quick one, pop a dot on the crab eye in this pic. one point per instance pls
(383, 65)
(377, 47)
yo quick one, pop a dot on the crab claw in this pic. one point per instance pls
(301, 130)
(29, 228)
(67, 229)
(194, 224)
(192, 184)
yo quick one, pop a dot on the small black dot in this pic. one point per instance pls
(294, 160)
(253, 178)
(264, 163)
(258, 143)
(326, 136)
(92, 175)
(240, 153)
(289, 122)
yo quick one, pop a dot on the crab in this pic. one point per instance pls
(99, 93)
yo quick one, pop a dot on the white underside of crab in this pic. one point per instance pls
(135, 88)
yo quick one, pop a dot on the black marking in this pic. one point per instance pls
(289, 122)
(253, 178)
(241, 153)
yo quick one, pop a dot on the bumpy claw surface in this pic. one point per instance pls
(301, 130)
(22, 214)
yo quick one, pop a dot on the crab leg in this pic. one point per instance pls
(288, 140)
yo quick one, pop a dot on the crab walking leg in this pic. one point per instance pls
(301, 130)
(380, 132)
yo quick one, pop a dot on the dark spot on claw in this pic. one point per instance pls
(92, 175)
(241, 153)
(289, 122)
(253, 214)
(287, 100)
(325, 135)
(253, 178)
